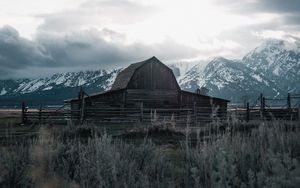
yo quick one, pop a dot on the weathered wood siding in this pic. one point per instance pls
(207, 105)
(187, 99)
(152, 98)
(116, 98)
(153, 75)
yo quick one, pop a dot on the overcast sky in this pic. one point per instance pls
(39, 37)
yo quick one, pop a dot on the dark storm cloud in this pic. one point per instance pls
(90, 48)
(292, 19)
(288, 10)
(86, 49)
(17, 52)
(5, 73)
(280, 6)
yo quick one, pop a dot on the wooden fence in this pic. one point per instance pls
(261, 109)
(194, 116)
(124, 115)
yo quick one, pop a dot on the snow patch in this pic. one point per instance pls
(33, 87)
(257, 77)
(59, 80)
(220, 84)
(110, 81)
(47, 88)
(184, 67)
(276, 71)
(81, 81)
(3, 91)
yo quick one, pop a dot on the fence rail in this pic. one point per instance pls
(180, 116)
(195, 116)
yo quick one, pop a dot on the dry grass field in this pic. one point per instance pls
(230, 154)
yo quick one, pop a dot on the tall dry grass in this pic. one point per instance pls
(265, 156)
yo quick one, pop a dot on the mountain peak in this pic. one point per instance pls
(217, 62)
(276, 45)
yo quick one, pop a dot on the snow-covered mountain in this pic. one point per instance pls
(273, 68)
(279, 61)
(56, 88)
(233, 79)
(101, 79)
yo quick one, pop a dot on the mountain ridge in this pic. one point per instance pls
(273, 68)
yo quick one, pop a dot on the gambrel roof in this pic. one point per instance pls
(124, 77)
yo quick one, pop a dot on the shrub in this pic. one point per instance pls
(265, 156)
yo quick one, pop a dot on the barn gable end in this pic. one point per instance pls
(150, 74)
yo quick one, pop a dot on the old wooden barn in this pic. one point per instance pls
(149, 84)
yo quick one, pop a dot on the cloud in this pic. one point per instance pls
(112, 33)
(287, 10)
(286, 6)
(86, 49)
(17, 52)
(270, 19)
(292, 19)
(96, 13)
(274, 6)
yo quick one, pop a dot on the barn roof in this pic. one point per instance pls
(95, 95)
(204, 96)
(125, 76)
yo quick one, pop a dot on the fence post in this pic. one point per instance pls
(81, 106)
(289, 100)
(261, 102)
(80, 97)
(82, 112)
(264, 104)
(142, 112)
(289, 106)
(23, 113)
(299, 113)
(247, 112)
(195, 113)
(40, 114)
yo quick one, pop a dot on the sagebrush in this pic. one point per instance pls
(265, 156)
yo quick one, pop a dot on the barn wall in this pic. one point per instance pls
(102, 100)
(152, 98)
(153, 75)
(74, 105)
(223, 108)
(206, 106)
(108, 99)
(188, 100)
(74, 109)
